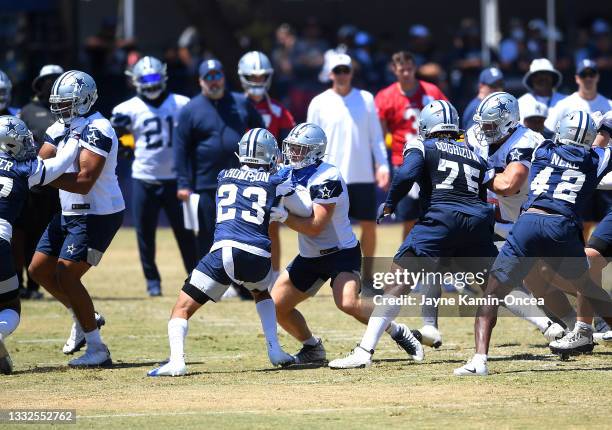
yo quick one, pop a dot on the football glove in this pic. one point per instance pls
(278, 214)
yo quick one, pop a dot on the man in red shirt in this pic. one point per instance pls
(255, 71)
(398, 108)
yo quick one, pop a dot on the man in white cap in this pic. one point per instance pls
(534, 114)
(542, 81)
(43, 202)
(354, 137)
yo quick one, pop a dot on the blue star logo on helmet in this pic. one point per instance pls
(80, 82)
(11, 126)
(502, 107)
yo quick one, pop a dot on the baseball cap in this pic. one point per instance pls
(534, 108)
(586, 64)
(208, 66)
(490, 76)
(339, 60)
(47, 71)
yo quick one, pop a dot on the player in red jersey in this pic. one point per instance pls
(255, 71)
(398, 107)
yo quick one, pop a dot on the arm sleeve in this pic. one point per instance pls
(406, 176)
(377, 141)
(51, 169)
(182, 151)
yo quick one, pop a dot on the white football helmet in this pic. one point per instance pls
(304, 145)
(16, 139)
(252, 65)
(259, 147)
(576, 128)
(496, 117)
(438, 116)
(149, 77)
(72, 95)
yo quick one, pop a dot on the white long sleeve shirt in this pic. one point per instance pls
(354, 135)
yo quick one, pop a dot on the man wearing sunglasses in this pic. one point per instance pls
(205, 142)
(354, 137)
(586, 99)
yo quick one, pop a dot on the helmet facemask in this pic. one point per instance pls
(150, 86)
(256, 85)
(63, 108)
(297, 154)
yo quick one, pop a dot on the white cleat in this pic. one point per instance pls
(278, 357)
(431, 336)
(573, 343)
(553, 332)
(604, 338)
(93, 357)
(171, 368)
(410, 343)
(76, 340)
(472, 368)
(6, 364)
(358, 358)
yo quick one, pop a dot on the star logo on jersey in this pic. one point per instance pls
(502, 107)
(515, 154)
(326, 192)
(70, 249)
(92, 137)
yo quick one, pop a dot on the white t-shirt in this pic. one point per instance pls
(353, 133)
(528, 98)
(152, 129)
(574, 102)
(105, 196)
(326, 186)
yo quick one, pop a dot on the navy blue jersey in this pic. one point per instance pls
(15, 183)
(450, 174)
(244, 199)
(563, 177)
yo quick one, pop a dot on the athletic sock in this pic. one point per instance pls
(9, 320)
(75, 319)
(312, 341)
(429, 313)
(569, 320)
(480, 358)
(530, 313)
(93, 339)
(177, 331)
(394, 329)
(583, 327)
(267, 315)
(380, 320)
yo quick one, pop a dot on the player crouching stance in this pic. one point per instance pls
(328, 248)
(241, 250)
(20, 170)
(563, 176)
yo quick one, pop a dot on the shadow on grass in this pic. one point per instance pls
(558, 369)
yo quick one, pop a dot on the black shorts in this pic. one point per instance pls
(309, 274)
(362, 201)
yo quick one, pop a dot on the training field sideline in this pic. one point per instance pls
(232, 384)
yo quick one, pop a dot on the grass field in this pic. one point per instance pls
(233, 386)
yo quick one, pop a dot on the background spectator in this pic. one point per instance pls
(489, 81)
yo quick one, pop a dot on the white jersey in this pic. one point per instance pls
(152, 129)
(529, 98)
(326, 186)
(354, 134)
(105, 196)
(575, 102)
(518, 148)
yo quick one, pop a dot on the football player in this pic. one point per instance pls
(498, 135)
(92, 212)
(563, 176)
(328, 248)
(150, 116)
(456, 223)
(255, 72)
(20, 170)
(241, 249)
